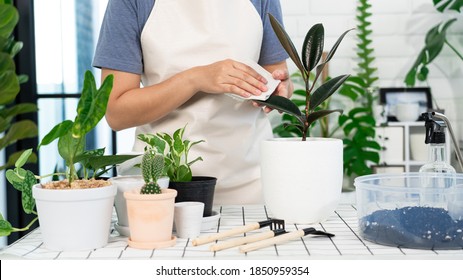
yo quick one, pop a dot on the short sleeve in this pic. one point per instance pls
(119, 46)
(271, 50)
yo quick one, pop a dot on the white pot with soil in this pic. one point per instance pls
(302, 180)
(74, 219)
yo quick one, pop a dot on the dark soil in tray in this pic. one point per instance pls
(413, 227)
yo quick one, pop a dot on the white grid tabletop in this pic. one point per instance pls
(346, 244)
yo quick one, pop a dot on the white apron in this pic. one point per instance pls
(181, 34)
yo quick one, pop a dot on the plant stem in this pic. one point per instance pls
(26, 227)
(454, 49)
(49, 175)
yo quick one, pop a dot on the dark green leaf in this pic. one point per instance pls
(18, 109)
(69, 147)
(9, 86)
(320, 114)
(20, 130)
(330, 55)
(92, 104)
(312, 48)
(28, 201)
(282, 104)
(183, 174)
(286, 42)
(98, 162)
(9, 18)
(56, 132)
(443, 5)
(5, 227)
(326, 90)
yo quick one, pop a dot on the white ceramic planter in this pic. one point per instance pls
(77, 219)
(302, 180)
(124, 184)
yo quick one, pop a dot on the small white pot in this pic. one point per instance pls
(124, 184)
(302, 180)
(75, 219)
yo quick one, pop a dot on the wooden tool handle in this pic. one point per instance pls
(211, 238)
(271, 241)
(240, 241)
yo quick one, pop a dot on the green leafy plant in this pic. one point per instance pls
(175, 150)
(71, 147)
(10, 130)
(312, 50)
(360, 147)
(152, 165)
(435, 40)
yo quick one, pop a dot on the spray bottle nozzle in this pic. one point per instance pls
(435, 129)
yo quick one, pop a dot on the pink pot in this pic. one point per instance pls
(151, 218)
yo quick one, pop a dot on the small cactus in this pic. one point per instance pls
(151, 168)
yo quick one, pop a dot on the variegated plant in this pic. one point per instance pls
(312, 50)
(175, 150)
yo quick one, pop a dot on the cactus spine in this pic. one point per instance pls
(151, 166)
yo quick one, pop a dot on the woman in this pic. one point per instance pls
(188, 55)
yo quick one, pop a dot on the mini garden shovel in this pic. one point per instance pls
(282, 238)
(273, 223)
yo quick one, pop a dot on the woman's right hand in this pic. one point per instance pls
(229, 76)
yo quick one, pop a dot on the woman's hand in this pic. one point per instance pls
(229, 76)
(285, 88)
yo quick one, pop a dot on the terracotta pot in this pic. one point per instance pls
(151, 218)
(123, 184)
(74, 219)
(200, 188)
(302, 180)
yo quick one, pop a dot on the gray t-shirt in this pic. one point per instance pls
(119, 45)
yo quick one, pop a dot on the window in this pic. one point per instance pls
(66, 32)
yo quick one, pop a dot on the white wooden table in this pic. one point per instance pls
(346, 244)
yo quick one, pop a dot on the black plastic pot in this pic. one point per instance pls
(200, 188)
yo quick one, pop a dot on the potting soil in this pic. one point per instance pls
(413, 227)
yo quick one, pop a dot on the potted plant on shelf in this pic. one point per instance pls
(74, 213)
(178, 168)
(302, 180)
(150, 209)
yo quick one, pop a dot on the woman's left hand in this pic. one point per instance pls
(285, 87)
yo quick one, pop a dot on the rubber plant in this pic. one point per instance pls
(175, 150)
(360, 147)
(10, 130)
(435, 40)
(312, 50)
(71, 137)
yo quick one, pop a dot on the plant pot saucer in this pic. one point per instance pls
(123, 230)
(210, 222)
(152, 245)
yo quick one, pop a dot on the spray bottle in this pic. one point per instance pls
(437, 153)
(439, 188)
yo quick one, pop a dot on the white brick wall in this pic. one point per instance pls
(399, 27)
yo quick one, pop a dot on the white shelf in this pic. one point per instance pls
(398, 145)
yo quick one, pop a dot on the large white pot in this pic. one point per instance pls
(302, 180)
(74, 219)
(124, 184)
